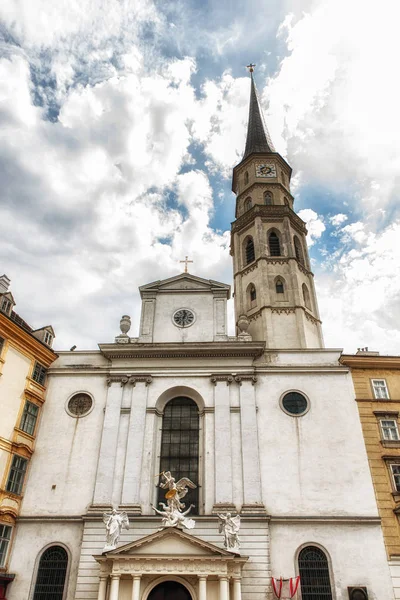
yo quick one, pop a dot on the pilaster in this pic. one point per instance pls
(134, 452)
(109, 442)
(223, 440)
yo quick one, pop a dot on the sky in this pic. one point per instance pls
(121, 120)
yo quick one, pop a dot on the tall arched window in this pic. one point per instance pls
(50, 580)
(298, 250)
(252, 295)
(279, 286)
(274, 244)
(246, 178)
(314, 574)
(247, 204)
(268, 198)
(180, 446)
(249, 250)
(306, 296)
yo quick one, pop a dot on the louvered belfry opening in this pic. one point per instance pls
(50, 580)
(250, 254)
(180, 446)
(314, 574)
(274, 244)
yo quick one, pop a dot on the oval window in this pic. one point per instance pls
(79, 405)
(295, 404)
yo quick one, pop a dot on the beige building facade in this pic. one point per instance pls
(377, 392)
(25, 356)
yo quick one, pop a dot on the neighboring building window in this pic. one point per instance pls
(50, 579)
(6, 306)
(29, 417)
(389, 429)
(48, 338)
(2, 340)
(274, 244)
(79, 405)
(396, 476)
(246, 178)
(306, 296)
(39, 373)
(294, 404)
(250, 254)
(17, 474)
(314, 574)
(180, 446)
(298, 250)
(268, 198)
(247, 204)
(5, 536)
(380, 389)
(279, 287)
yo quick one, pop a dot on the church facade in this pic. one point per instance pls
(264, 423)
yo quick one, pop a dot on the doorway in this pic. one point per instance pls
(169, 590)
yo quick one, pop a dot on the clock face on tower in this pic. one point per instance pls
(183, 317)
(266, 170)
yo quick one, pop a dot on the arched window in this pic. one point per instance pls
(274, 244)
(252, 295)
(283, 178)
(180, 446)
(279, 286)
(268, 198)
(246, 178)
(249, 250)
(247, 204)
(298, 250)
(306, 296)
(314, 574)
(50, 580)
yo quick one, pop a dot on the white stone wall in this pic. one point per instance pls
(394, 567)
(345, 545)
(31, 539)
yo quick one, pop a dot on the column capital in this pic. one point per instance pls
(240, 378)
(136, 576)
(134, 379)
(228, 378)
(202, 577)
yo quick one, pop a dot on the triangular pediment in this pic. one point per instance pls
(185, 282)
(169, 542)
(9, 297)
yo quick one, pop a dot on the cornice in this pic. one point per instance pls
(25, 341)
(270, 213)
(287, 310)
(273, 260)
(184, 350)
(358, 361)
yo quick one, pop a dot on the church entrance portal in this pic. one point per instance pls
(169, 590)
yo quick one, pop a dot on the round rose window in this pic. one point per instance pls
(80, 404)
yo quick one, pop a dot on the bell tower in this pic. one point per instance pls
(274, 286)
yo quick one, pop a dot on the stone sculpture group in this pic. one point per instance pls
(173, 515)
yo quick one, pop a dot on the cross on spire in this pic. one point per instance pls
(186, 261)
(250, 67)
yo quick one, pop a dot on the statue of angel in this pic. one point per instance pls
(176, 489)
(230, 526)
(114, 523)
(171, 517)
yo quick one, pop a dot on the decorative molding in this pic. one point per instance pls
(311, 318)
(234, 348)
(273, 212)
(222, 377)
(383, 413)
(240, 378)
(286, 311)
(131, 379)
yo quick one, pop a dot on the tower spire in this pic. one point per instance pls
(258, 138)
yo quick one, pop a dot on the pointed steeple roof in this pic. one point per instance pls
(258, 139)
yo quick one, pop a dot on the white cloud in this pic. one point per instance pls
(315, 224)
(338, 219)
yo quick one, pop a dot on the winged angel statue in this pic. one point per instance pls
(230, 526)
(172, 514)
(114, 523)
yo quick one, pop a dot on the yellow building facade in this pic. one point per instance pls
(377, 387)
(25, 355)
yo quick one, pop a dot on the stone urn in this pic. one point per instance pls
(243, 323)
(125, 324)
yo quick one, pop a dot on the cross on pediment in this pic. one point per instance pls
(186, 261)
